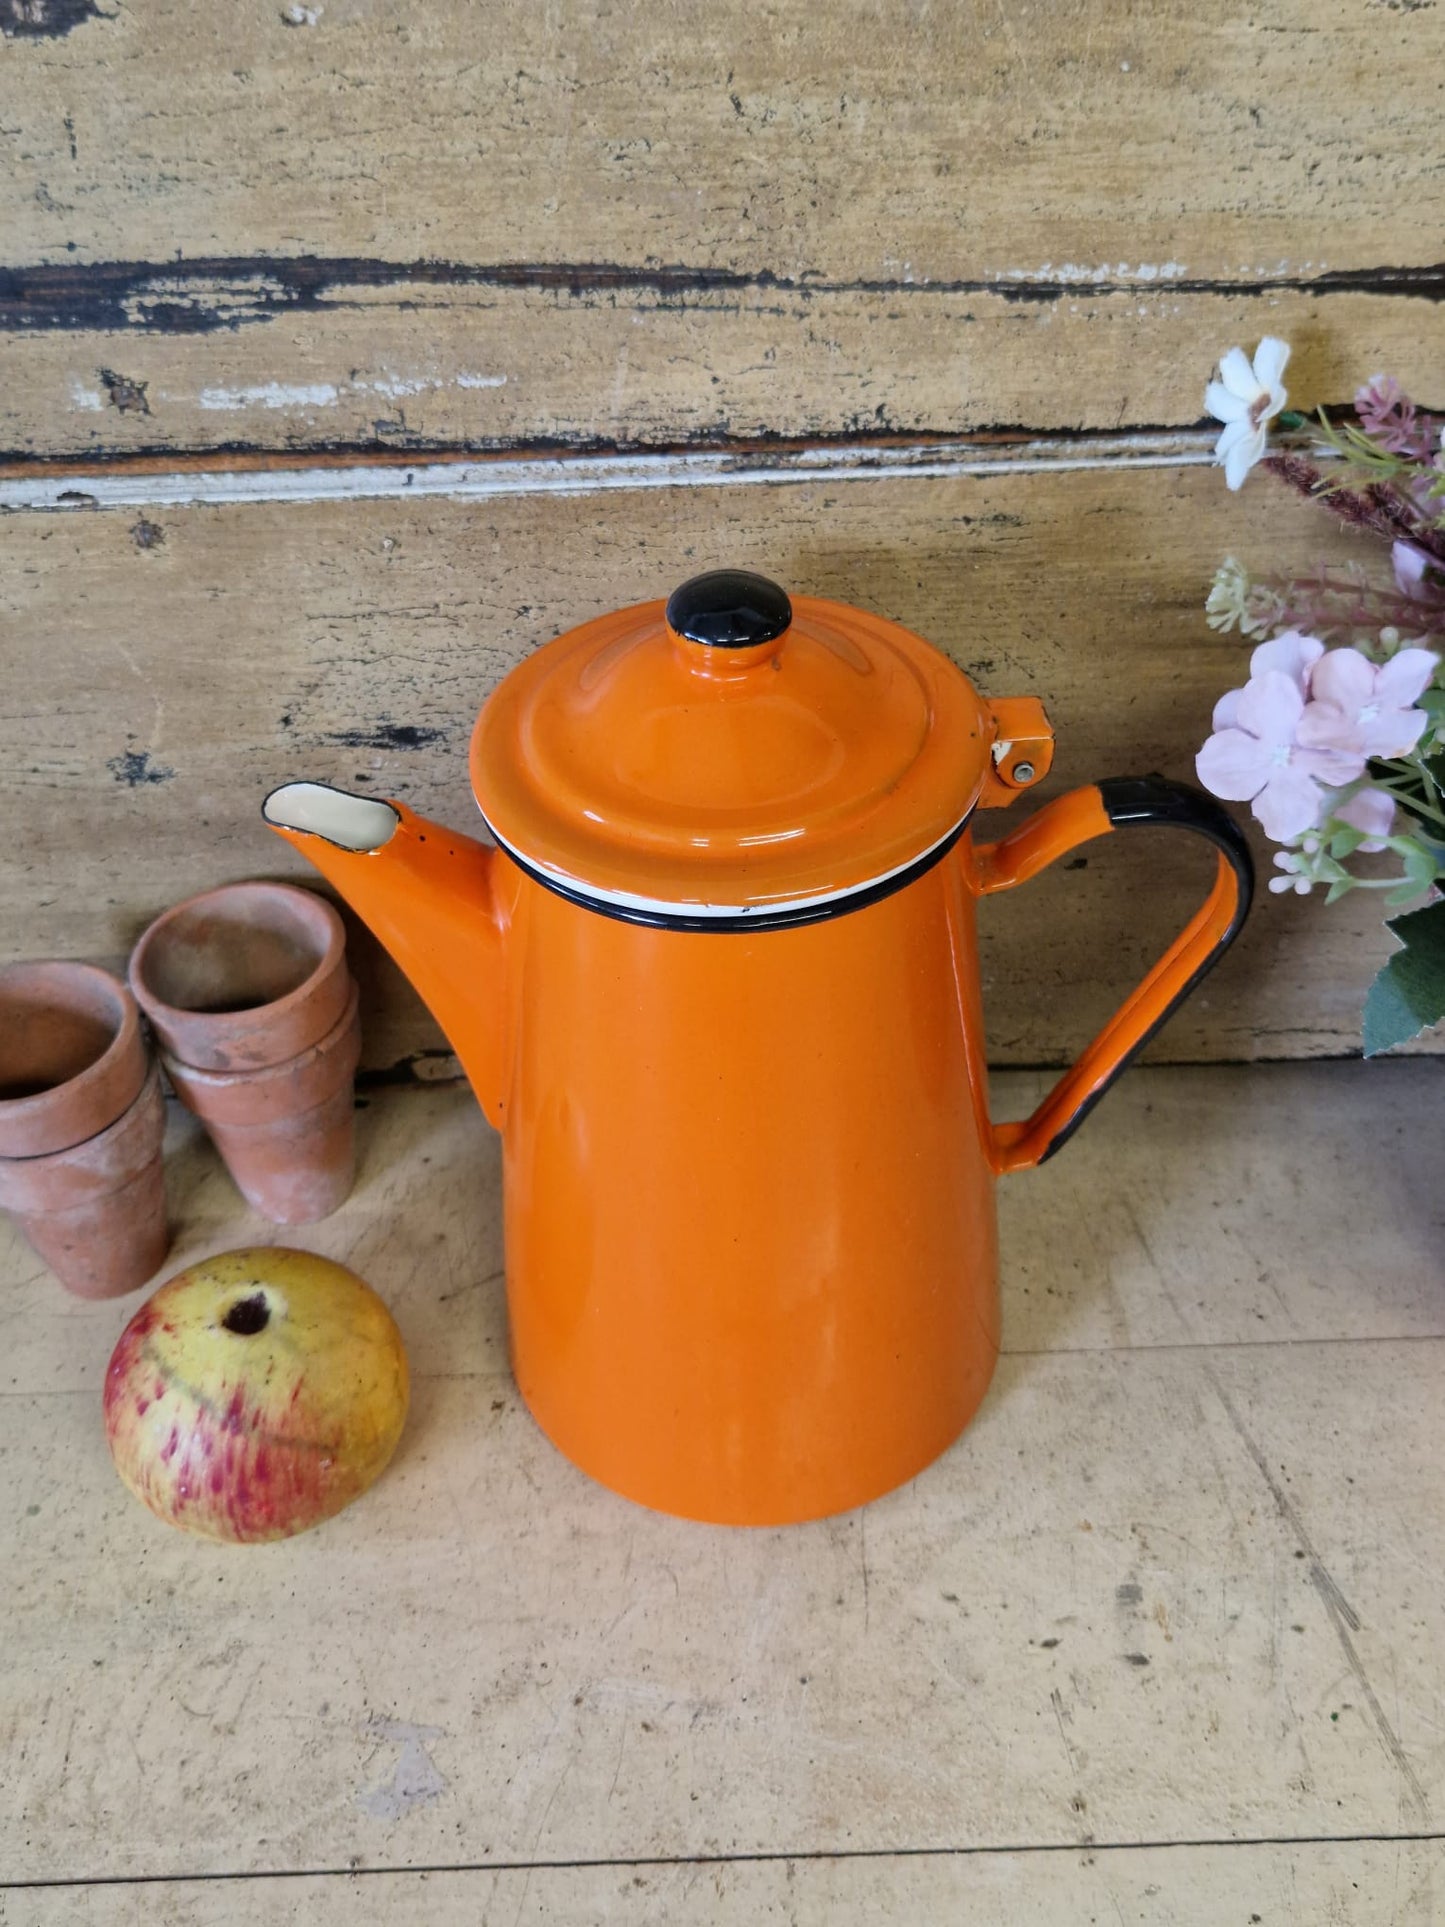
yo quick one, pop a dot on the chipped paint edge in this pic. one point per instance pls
(120, 488)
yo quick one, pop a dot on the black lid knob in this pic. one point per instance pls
(729, 609)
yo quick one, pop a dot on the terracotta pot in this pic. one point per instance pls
(243, 977)
(81, 1123)
(287, 1133)
(258, 1017)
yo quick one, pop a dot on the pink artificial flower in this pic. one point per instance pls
(1376, 398)
(1410, 566)
(1257, 758)
(1372, 811)
(1364, 710)
(1292, 653)
(1388, 416)
(1418, 575)
(1245, 397)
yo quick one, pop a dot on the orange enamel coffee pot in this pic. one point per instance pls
(716, 984)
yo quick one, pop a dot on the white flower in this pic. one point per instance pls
(1245, 398)
(1228, 595)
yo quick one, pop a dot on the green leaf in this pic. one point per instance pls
(1419, 868)
(1409, 993)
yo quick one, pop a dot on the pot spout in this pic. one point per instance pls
(428, 894)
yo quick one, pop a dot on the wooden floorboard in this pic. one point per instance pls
(1152, 1596)
(417, 368)
(904, 146)
(1390, 1883)
(1178, 1583)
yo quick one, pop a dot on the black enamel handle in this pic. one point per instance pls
(1120, 803)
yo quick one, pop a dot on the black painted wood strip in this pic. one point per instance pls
(204, 294)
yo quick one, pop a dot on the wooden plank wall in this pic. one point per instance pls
(347, 351)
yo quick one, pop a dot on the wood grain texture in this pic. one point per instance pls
(1058, 140)
(1372, 1883)
(1177, 1582)
(416, 365)
(344, 226)
(217, 480)
(164, 672)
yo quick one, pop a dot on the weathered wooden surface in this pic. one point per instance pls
(1355, 1884)
(341, 225)
(418, 366)
(905, 144)
(1178, 1583)
(340, 232)
(165, 670)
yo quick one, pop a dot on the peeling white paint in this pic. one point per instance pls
(247, 297)
(87, 398)
(271, 394)
(1069, 273)
(595, 474)
(304, 16)
(325, 394)
(1074, 273)
(395, 386)
(1278, 270)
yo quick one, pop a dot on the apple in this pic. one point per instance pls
(256, 1394)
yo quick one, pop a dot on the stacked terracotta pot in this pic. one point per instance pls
(81, 1123)
(256, 1014)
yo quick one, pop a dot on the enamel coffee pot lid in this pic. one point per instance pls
(730, 757)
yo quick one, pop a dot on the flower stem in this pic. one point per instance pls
(1415, 804)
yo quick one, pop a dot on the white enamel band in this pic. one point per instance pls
(663, 908)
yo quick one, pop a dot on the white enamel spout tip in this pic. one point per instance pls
(359, 823)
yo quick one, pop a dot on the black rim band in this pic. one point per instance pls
(791, 919)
